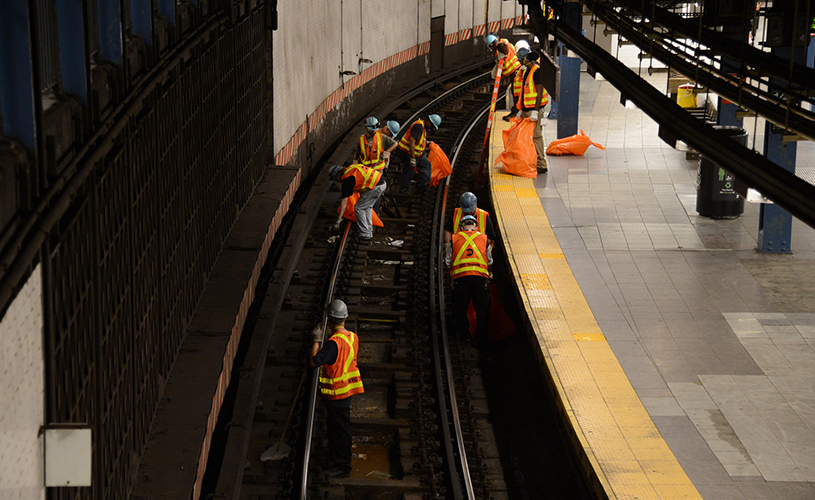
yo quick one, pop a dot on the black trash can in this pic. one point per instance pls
(716, 195)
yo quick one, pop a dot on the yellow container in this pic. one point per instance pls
(686, 97)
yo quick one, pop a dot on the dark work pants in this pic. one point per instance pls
(422, 165)
(339, 436)
(477, 289)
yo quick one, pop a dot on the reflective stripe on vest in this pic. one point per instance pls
(342, 379)
(366, 177)
(404, 144)
(518, 86)
(369, 155)
(480, 217)
(511, 62)
(469, 251)
(530, 92)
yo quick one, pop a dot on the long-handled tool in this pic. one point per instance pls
(281, 450)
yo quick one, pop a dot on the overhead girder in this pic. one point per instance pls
(781, 186)
(786, 84)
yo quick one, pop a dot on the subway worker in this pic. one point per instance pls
(469, 258)
(369, 183)
(374, 147)
(468, 205)
(505, 55)
(517, 86)
(534, 98)
(412, 153)
(391, 128)
(339, 380)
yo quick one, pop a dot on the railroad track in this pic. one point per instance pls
(423, 428)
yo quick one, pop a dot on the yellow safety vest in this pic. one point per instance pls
(518, 86)
(366, 177)
(530, 92)
(342, 379)
(511, 62)
(404, 144)
(480, 217)
(369, 155)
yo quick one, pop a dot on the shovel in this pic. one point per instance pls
(281, 450)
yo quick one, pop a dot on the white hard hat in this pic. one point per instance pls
(522, 44)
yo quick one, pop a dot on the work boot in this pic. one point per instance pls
(543, 166)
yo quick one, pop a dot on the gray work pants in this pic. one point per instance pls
(365, 206)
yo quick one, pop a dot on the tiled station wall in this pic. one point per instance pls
(317, 41)
(22, 394)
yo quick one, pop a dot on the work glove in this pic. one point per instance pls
(317, 334)
(413, 162)
(336, 225)
(386, 155)
(533, 116)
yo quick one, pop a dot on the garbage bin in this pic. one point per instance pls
(716, 196)
(686, 95)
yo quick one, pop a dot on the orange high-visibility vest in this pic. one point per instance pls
(366, 177)
(518, 86)
(404, 144)
(480, 216)
(369, 155)
(469, 255)
(341, 379)
(530, 92)
(511, 62)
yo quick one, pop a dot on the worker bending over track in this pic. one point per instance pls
(412, 153)
(370, 184)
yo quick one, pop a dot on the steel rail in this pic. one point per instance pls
(312, 395)
(438, 330)
(788, 191)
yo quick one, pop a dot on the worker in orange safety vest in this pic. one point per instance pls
(369, 183)
(534, 97)
(374, 147)
(469, 258)
(339, 380)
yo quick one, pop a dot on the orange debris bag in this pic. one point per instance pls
(500, 325)
(439, 162)
(519, 156)
(574, 145)
(352, 216)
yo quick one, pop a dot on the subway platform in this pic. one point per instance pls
(683, 357)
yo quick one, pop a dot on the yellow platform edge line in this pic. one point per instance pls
(586, 346)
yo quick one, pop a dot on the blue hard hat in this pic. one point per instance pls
(468, 202)
(393, 126)
(435, 120)
(467, 219)
(521, 53)
(334, 171)
(372, 124)
(491, 39)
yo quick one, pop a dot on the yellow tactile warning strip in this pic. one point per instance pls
(618, 443)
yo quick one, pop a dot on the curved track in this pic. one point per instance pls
(424, 427)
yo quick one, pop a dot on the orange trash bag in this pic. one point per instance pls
(519, 156)
(352, 216)
(500, 326)
(574, 145)
(439, 162)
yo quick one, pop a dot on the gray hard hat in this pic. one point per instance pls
(467, 219)
(337, 310)
(468, 202)
(372, 124)
(334, 171)
(521, 53)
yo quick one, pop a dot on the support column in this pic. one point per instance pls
(568, 104)
(72, 53)
(775, 224)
